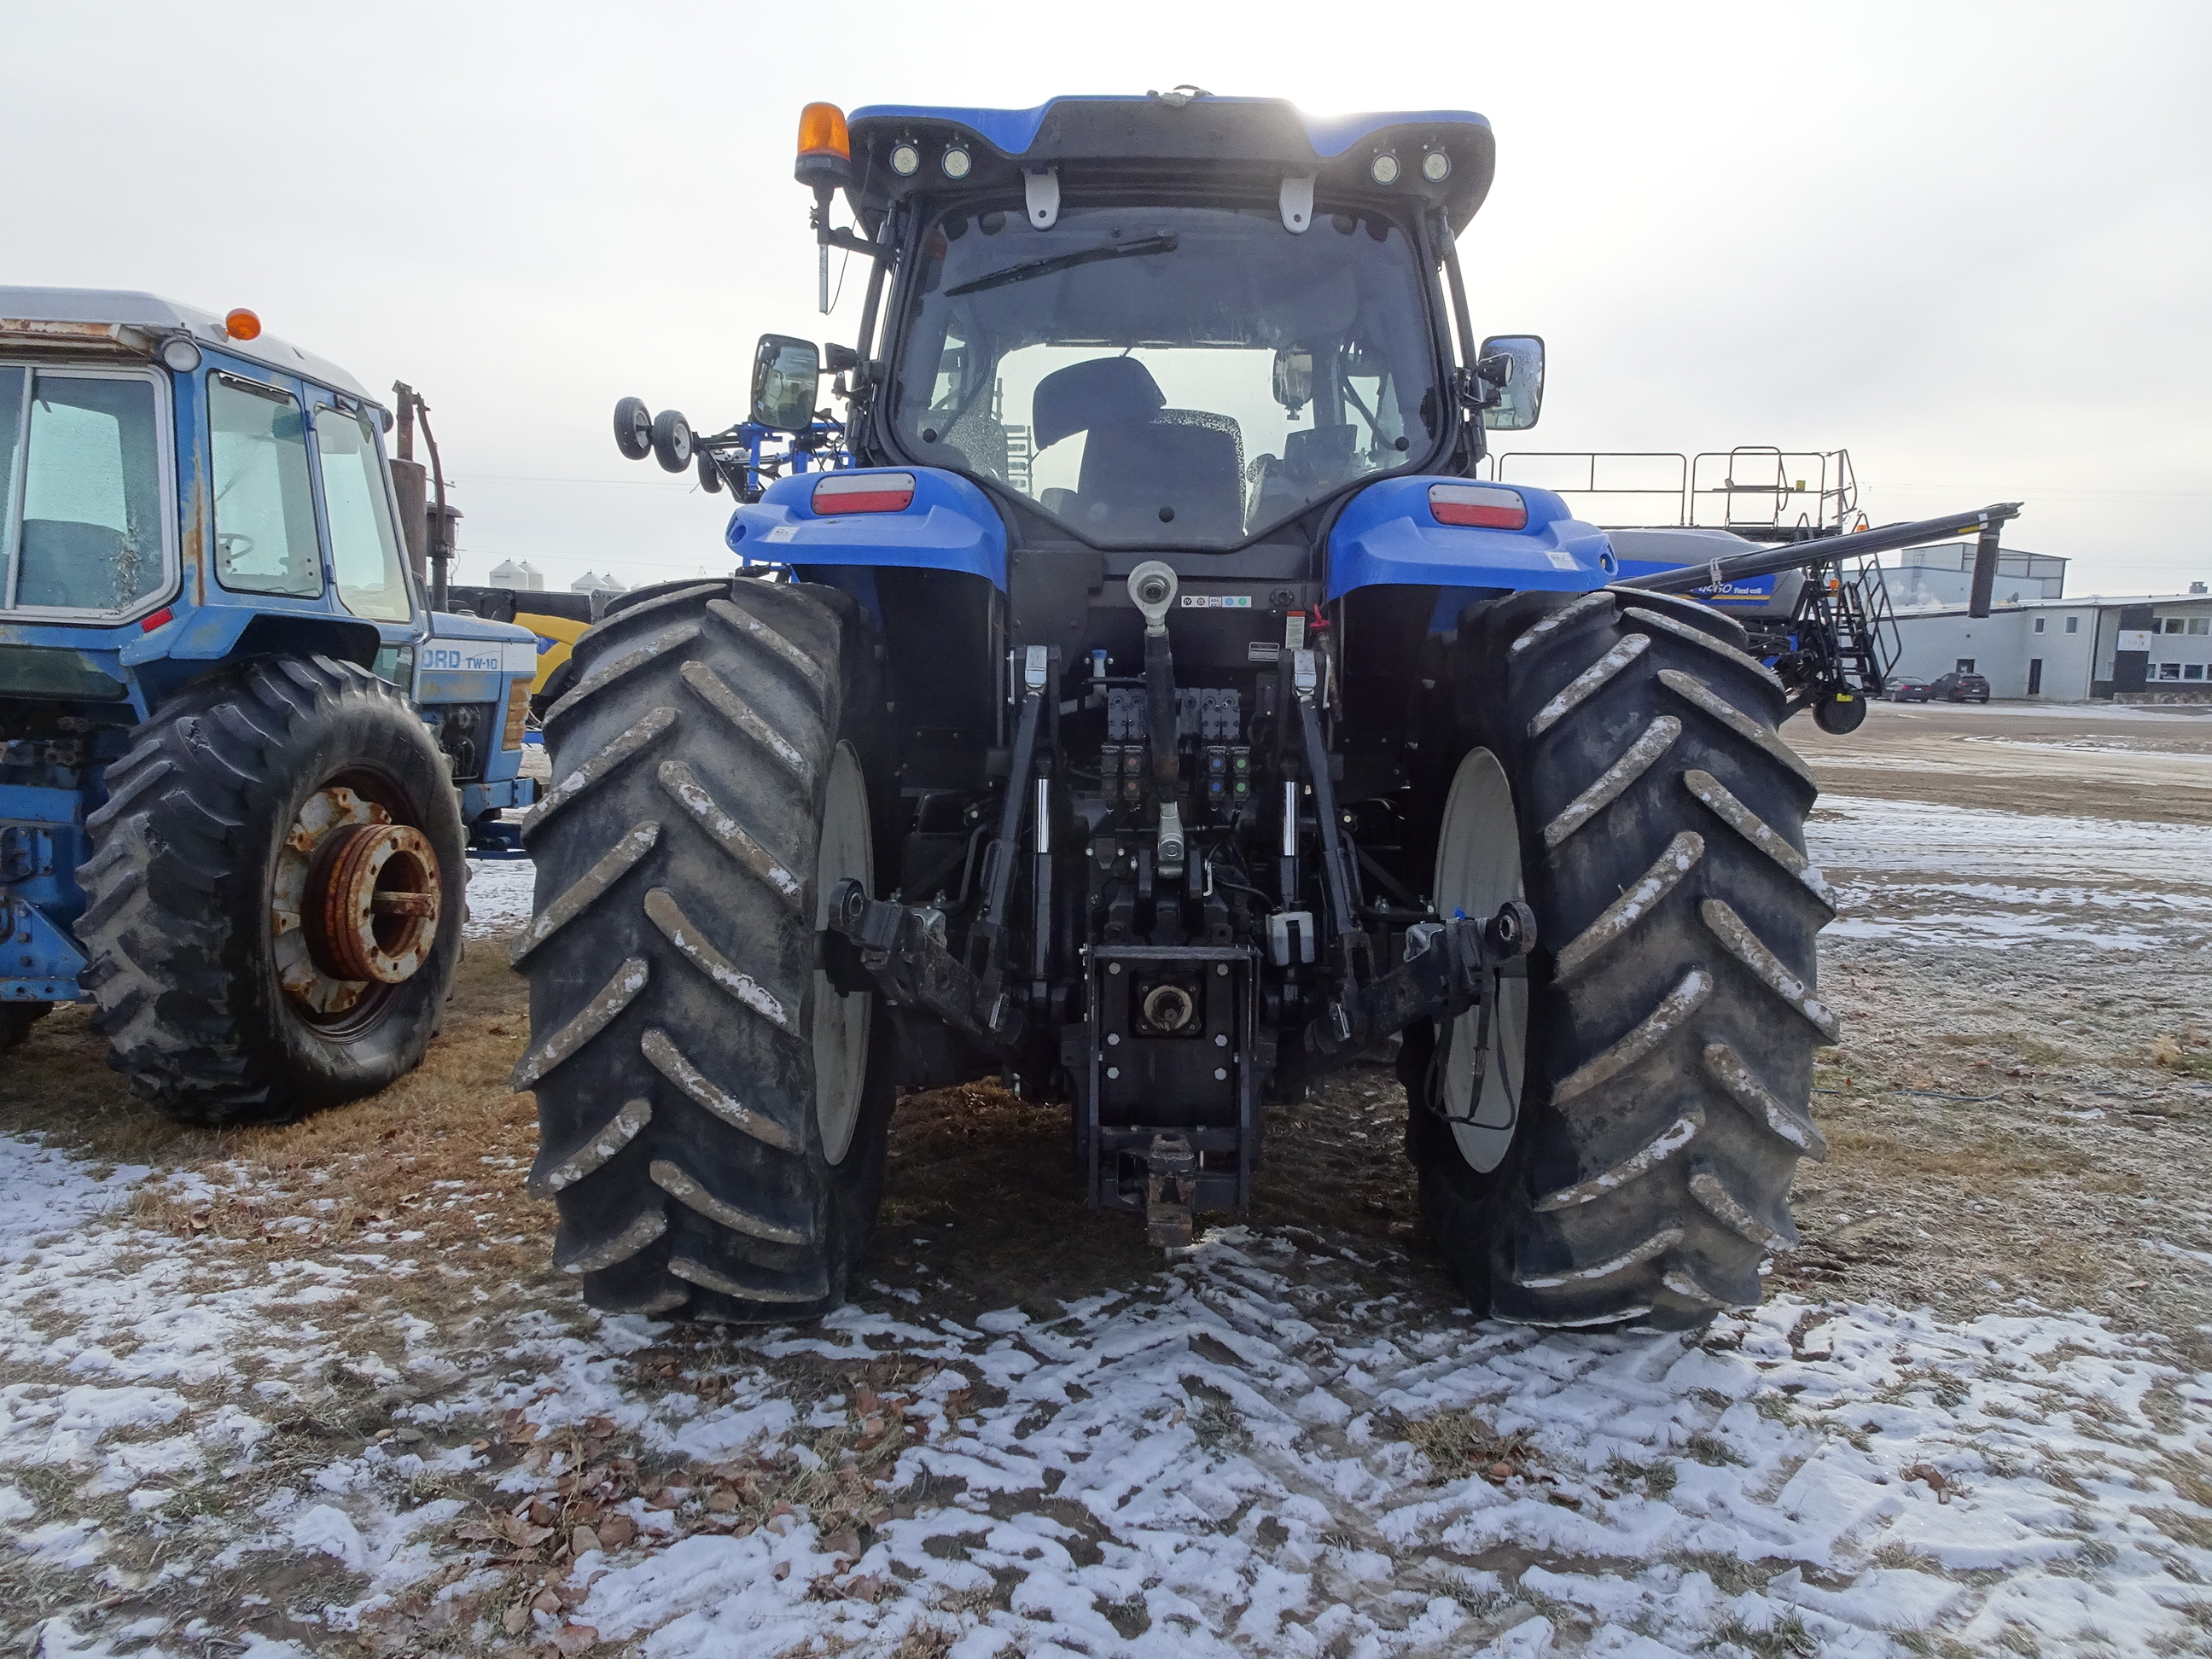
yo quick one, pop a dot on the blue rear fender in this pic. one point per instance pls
(949, 524)
(1387, 535)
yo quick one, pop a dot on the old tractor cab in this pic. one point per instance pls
(241, 757)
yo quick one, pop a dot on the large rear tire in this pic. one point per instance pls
(274, 898)
(1639, 1172)
(712, 1110)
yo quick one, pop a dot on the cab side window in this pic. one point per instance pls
(364, 543)
(264, 508)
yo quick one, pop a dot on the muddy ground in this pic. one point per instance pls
(2020, 1118)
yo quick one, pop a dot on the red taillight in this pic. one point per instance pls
(1486, 506)
(161, 618)
(864, 492)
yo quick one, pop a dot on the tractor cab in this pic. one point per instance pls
(1175, 322)
(179, 489)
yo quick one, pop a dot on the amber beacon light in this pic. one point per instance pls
(242, 324)
(825, 148)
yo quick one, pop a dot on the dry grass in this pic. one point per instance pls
(1967, 1170)
(2188, 1054)
(1656, 1478)
(983, 1207)
(1457, 1442)
(442, 1154)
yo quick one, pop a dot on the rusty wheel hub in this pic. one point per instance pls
(357, 901)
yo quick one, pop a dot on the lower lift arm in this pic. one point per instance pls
(1452, 967)
(901, 948)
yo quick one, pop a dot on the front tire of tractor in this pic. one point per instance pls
(1637, 1169)
(712, 1110)
(275, 895)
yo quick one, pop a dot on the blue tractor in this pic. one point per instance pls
(241, 761)
(1140, 691)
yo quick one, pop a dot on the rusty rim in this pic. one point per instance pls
(355, 905)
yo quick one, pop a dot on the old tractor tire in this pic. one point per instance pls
(712, 1111)
(1670, 1009)
(274, 899)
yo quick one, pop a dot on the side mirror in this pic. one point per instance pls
(1513, 366)
(786, 377)
(1293, 377)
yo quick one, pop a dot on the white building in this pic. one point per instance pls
(525, 576)
(592, 582)
(2151, 649)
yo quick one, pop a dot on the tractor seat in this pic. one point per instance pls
(1141, 459)
(1177, 477)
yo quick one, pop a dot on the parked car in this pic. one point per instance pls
(1961, 688)
(1909, 691)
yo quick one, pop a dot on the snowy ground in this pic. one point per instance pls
(300, 1438)
(1257, 1451)
(1947, 875)
(499, 895)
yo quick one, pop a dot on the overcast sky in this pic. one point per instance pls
(1970, 243)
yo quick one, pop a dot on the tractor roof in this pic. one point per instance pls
(1179, 131)
(122, 322)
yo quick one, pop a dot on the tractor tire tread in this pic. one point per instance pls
(1674, 1015)
(177, 983)
(675, 1101)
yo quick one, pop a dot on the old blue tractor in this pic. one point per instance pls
(1141, 691)
(241, 761)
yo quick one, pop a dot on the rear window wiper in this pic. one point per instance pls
(1162, 243)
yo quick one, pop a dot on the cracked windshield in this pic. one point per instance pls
(1169, 375)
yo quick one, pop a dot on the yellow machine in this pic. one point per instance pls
(559, 620)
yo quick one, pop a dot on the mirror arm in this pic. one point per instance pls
(852, 244)
(827, 235)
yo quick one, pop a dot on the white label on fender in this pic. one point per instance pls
(782, 532)
(1561, 559)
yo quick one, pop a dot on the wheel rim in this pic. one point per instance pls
(841, 1023)
(1479, 869)
(354, 905)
